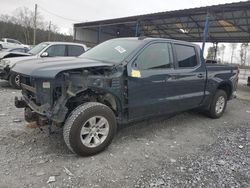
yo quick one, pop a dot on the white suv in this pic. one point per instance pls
(6, 43)
(42, 50)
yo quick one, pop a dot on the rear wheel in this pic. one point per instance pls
(14, 81)
(218, 105)
(89, 129)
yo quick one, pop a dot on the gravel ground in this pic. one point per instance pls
(187, 150)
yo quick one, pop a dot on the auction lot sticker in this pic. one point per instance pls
(120, 49)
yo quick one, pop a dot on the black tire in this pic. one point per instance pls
(212, 111)
(14, 81)
(78, 118)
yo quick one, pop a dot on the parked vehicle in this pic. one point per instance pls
(6, 43)
(14, 52)
(120, 81)
(42, 50)
(211, 61)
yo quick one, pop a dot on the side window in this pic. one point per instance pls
(56, 50)
(155, 56)
(10, 41)
(186, 56)
(17, 42)
(18, 50)
(74, 50)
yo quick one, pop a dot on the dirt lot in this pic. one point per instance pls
(187, 150)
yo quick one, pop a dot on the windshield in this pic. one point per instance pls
(114, 51)
(38, 48)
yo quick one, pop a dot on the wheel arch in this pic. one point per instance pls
(95, 95)
(227, 87)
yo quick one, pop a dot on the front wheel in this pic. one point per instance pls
(218, 104)
(14, 81)
(89, 129)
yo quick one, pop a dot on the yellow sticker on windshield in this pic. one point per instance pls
(136, 74)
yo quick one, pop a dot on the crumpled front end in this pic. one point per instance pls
(48, 99)
(4, 70)
(36, 98)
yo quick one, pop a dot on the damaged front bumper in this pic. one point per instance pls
(4, 73)
(32, 112)
(43, 114)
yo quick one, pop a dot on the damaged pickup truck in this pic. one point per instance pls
(120, 81)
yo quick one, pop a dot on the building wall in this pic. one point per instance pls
(91, 37)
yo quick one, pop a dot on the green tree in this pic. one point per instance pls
(221, 52)
(210, 53)
(243, 53)
(20, 27)
(233, 47)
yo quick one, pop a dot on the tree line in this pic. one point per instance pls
(20, 27)
(241, 57)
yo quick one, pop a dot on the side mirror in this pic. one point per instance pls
(45, 54)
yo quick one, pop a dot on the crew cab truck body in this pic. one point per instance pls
(120, 81)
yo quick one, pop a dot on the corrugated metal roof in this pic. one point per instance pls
(228, 23)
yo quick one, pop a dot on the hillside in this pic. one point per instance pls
(15, 31)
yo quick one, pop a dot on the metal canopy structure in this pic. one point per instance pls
(227, 23)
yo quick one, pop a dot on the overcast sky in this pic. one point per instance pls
(83, 10)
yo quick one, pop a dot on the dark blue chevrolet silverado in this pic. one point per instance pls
(120, 81)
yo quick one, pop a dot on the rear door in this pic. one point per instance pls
(150, 88)
(190, 76)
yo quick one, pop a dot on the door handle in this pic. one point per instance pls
(200, 75)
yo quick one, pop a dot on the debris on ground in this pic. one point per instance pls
(32, 125)
(68, 172)
(16, 120)
(51, 179)
(172, 160)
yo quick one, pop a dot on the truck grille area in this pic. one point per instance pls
(28, 87)
(26, 80)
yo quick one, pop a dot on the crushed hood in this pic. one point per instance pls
(14, 60)
(12, 54)
(50, 67)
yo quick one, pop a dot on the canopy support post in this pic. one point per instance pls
(215, 50)
(99, 34)
(137, 29)
(205, 34)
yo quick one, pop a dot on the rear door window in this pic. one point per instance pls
(10, 41)
(17, 42)
(74, 50)
(56, 50)
(18, 50)
(186, 56)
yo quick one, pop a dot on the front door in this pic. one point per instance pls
(150, 81)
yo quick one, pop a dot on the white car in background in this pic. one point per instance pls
(6, 43)
(42, 50)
